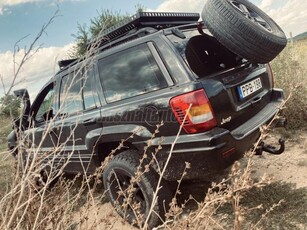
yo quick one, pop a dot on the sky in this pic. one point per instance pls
(25, 18)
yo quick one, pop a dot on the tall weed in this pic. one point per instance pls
(290, 71)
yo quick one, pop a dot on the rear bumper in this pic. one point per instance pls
(213, 151)
(208, 153)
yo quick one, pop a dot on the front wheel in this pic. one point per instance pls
(131, 192)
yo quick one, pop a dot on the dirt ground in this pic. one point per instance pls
(291, 166)
(289, 171)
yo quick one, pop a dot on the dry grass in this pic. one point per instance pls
(291, 214)
(31, 204)
(6, 160)
(5, 129)
(290, 70)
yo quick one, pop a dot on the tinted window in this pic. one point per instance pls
(45, 110)
(70, 96)
(89, 89)
(129, 73)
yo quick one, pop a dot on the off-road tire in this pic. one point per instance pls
(126, 163)
(240, 33)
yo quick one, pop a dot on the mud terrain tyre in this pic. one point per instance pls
(117, 178)
(244, 29)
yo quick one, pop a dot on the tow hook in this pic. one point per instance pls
(271, 149)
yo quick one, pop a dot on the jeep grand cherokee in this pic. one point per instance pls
(151, 68)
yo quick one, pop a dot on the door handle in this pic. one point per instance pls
(88, 122)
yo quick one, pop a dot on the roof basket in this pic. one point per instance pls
(157, 20)
(64, 63)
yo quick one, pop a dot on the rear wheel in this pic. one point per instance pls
(244, 29)
(132, 196)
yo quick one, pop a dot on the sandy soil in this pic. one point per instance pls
(291, 166)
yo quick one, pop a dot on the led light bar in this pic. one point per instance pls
(157, 20)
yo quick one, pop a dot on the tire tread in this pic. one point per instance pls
(238, 35)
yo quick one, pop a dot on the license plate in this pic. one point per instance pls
(249, 88)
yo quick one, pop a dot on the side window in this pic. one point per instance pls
(45, 110)
(70, 94)
(130, 73)
(90, 95)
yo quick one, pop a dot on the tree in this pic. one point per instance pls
(10, 106)
(105, 20)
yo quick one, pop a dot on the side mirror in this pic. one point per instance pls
(24, 95)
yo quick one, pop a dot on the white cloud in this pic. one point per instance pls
(181, 5)
(36, 72)
(9, 3)
(16, 2)
(291, 15)
(266, 4)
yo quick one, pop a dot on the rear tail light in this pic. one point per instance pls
(200, 117)
(271, 75)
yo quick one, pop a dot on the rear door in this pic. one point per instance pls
(135, 85)
(79, 112)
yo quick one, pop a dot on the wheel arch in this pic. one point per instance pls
(101, 142)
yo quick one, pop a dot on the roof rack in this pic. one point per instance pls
(157, 20)
(63, 63)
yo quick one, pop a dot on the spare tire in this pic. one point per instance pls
(244, 29)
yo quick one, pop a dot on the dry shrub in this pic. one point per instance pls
(39, 196)
(31, 203)
(76, 204)
(290, 70)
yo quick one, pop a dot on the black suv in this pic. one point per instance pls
(149, 69)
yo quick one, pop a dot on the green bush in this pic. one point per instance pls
(290, 70)
(104, 20)
(9, 106)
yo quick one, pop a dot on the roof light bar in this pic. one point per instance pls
(157, 20)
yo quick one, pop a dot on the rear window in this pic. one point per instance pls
(203, 53)
(70, 94)
(130, 73)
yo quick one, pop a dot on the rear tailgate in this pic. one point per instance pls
(238, 94)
